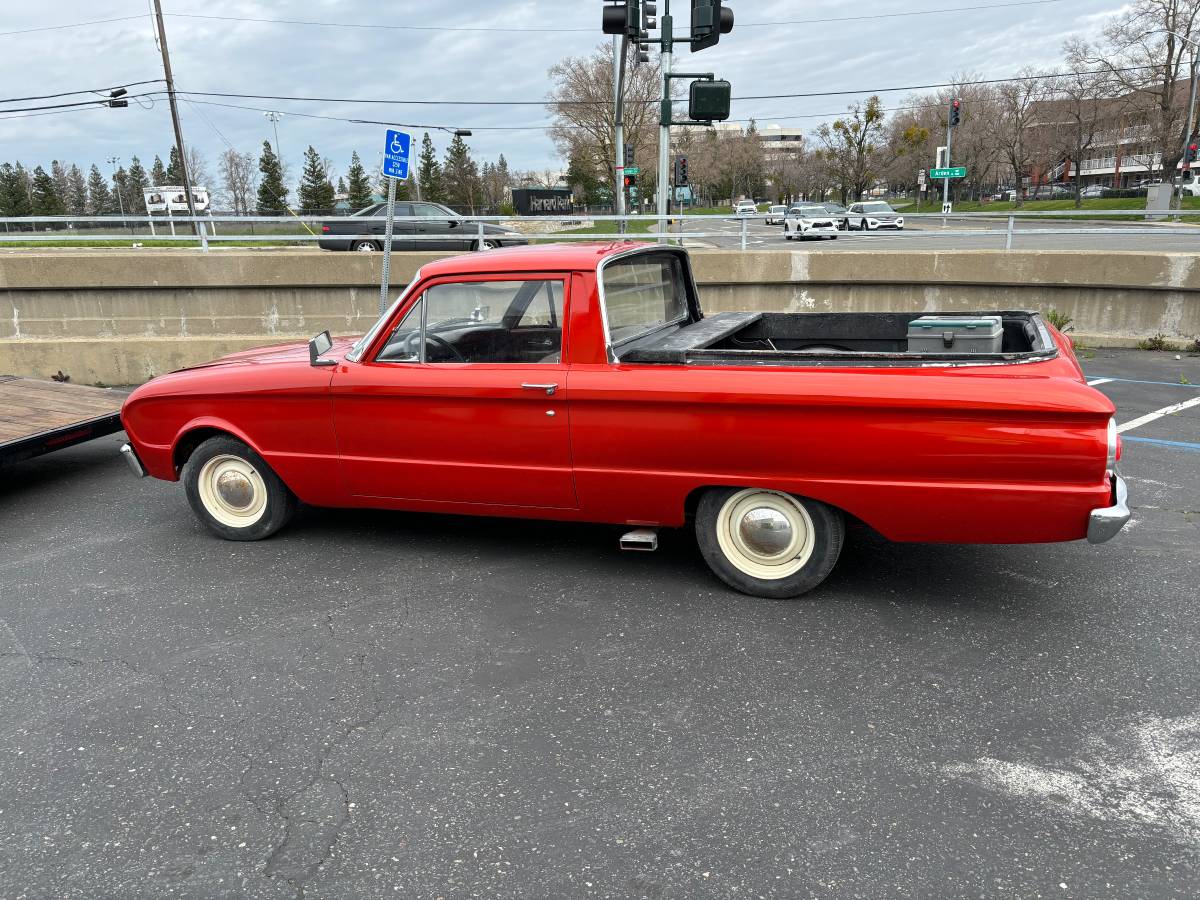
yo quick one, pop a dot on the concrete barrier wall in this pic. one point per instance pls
(123, 317)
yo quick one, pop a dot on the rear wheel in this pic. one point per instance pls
(365, 247)
(233, 491)
(768, 543)
(487, 245)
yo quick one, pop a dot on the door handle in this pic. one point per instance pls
(548, 388)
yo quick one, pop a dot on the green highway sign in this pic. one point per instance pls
(955, 172)
(633, 170)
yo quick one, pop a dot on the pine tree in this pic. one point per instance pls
(14, 192)
(158, 172)
(138, 182)
(46, 201)
(358, 190)
(341, 186)
(100, 201)
(62, 185)
(174, 169)
(272, 195)
(76, 196)
(429, 170)
(316, 193)
(461, 175)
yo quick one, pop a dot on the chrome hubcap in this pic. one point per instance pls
(766, 531)
(235, 489)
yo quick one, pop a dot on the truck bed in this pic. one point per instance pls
(38, 416)
(877, 339)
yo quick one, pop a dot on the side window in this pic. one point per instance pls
(428, 211)
(482, 322)
(404, 343)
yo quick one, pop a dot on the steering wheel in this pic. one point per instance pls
(441, 341)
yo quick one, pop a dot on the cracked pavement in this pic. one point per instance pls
(377, 705)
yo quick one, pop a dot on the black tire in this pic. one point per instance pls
(488, 244)
(271, 504)
(788, 236)
(815, 553)
(365, 246)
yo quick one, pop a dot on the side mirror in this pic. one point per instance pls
(318, 347)
(453, 223)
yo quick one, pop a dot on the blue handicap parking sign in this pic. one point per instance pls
(395, 154)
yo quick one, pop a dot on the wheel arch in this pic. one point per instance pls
(197, 432)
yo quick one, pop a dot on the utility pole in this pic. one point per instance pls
(183, 167)
(619, 112)
(664, 131)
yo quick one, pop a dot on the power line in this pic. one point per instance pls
(810, 94)
(97, 102)
(71, 25)
(537, 30)
(102, 90)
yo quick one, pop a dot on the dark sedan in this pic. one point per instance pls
(419, 226)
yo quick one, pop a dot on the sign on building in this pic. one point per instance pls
(542, 201)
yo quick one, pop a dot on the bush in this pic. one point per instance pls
(507, 209)
(1059, 320)
(1158, 342)
(1195, 346)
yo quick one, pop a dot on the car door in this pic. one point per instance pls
(438, 228)
(465, 400)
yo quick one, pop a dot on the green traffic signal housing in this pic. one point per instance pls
(708, 101)
(710, 20)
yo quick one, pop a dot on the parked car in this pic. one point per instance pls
(839, 214)
(807, 221)
(873, 215)
(1052, 192)
(584, 383)
(1188, 183)
(434, 228)
(776, 214)
(745, 208)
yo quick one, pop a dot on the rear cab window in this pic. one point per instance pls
(642, 294)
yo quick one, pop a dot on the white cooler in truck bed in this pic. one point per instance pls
(955, 334)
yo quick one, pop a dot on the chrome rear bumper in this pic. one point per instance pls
(1105, 524)
(131, 459)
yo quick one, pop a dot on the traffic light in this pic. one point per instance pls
(710, 20)
(708, 101)
(615, 18)
(1193, 152)
(631, 18)
(955, 112)
(629, 154)
(631, 181)
(681, 171)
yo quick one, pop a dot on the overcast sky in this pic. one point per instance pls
(391, 63)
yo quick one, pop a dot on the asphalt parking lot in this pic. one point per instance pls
(377, 704)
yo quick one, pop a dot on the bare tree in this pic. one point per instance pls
(239, 180)
(851, 148)
(1142, 52)
(1016, 110)
(584, 129)
(1080, 108)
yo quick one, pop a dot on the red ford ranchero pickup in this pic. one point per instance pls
(584, 383)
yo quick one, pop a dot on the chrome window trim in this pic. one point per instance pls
(356, 352)
(610, 347)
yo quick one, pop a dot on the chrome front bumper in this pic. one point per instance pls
(131, 459)
(1105, 524)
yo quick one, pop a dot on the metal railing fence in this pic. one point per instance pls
(471, 232)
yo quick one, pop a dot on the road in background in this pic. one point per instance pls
(377, 703)
(928, 234)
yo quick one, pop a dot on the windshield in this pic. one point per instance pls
(877, 207)
(809, 212)
(778, 208)
(363, 342)
(641, 293)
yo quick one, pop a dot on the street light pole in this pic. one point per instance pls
(274, 117)
(664, 131)
(619, 140)
(112, 161)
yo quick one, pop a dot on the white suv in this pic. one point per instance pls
(745, 208)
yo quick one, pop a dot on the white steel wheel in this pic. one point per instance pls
(232, 491)
(765, 534)
(768, 543)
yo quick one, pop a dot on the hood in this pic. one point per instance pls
(278, 353)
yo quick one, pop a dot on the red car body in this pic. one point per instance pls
(996, 454)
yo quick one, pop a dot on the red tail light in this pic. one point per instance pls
(325, 229)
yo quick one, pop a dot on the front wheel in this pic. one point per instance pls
(768, 543)
(233, 491)
(487, 245)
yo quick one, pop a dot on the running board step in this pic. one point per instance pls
(644, 539)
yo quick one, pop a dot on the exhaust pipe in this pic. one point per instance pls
(644, 539)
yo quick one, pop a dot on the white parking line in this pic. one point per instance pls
(1096, 381)
(1158, 414)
